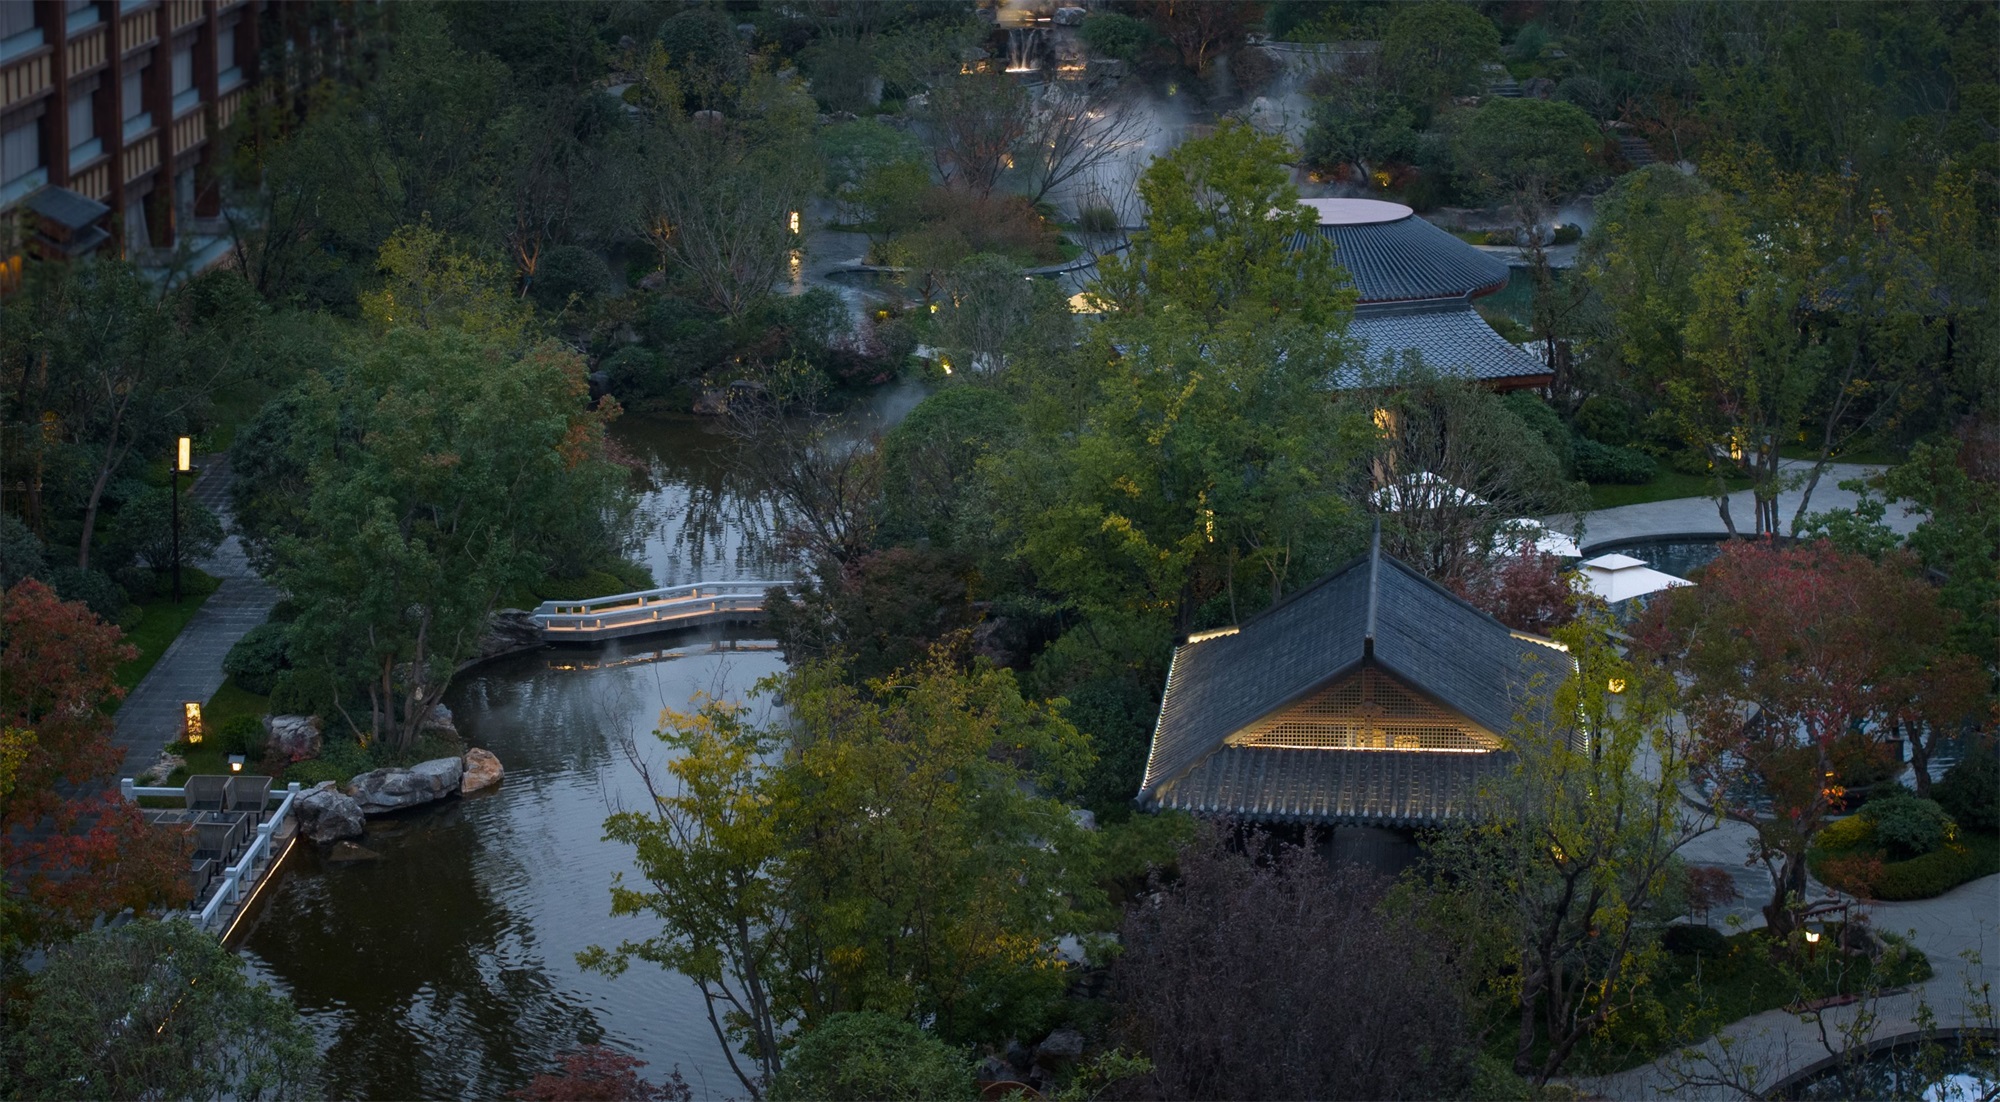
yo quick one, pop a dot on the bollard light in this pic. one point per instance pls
(184, 460)
(236, 763)
(191, 722)
(1812, 937)
(794, 221)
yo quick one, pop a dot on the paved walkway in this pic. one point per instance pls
(1762, 1049)
(1699, 516)
(191, 669)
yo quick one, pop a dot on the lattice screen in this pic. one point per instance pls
(1368, 711)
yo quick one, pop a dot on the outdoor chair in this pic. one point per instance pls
(249, 794)
(201, 873)
(204, 793)
(218, 840)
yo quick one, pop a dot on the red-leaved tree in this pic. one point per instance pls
(1790, 650)
(1527, 589)
(71, 847)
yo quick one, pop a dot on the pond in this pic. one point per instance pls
(446, 967)
(1680, 556)
(1964, 1069)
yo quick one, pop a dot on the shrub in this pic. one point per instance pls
(1108, 34)
(869, 1055)
(566, 270)
(1597, 462)
(1097, 219)
(1909, 827)
(139, 583)
(313, 771)
(1931, 875)
(301, 693)
(259, 657)
(1857, 874)
(1537, 415)
(1568, 233)
(1849, 833)
(241, 735)
(20, 552)
(96, 591)
(1687, 940)
(1970, 793)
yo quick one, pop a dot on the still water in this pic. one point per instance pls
(445, 968)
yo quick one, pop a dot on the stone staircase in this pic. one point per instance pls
(1636, 152)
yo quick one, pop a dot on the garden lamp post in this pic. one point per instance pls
(183, 456)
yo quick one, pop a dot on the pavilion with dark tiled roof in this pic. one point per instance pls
(1415, 284)
(1372, 698)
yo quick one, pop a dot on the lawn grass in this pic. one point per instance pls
(230, 701)
(162, 624)
(1665, 486)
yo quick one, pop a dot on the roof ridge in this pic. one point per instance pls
(1374, 589)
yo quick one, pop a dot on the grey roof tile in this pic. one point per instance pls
(1377, 610)
(1411, 259)
(1451, 340)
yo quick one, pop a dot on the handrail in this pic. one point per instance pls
(642, 597)
(231, 888)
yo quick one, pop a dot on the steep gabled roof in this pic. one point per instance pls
(1374, 610)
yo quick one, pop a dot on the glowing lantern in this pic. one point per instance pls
(191, 722)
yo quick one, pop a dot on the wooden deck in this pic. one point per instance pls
(671, 608)
(227, 898)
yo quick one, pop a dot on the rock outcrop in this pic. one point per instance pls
(509, 629)
(326, 814)
(384, 790)
(482, 770)
(440, 719)
(158, 772)
(295, 737)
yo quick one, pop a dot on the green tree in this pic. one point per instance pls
(1435, 50)
(443, 471)
(1575, 845)
(154, 1010)
(1528, 152)
(941, 903)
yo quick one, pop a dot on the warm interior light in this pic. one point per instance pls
(184, 461)
(191, 719)
(1616, 685)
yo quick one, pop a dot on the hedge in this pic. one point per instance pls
(1597, 463)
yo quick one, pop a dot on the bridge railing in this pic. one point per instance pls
(230, 891)
(668, 603)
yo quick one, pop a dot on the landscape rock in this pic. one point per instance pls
(295, 737)
(482, 770)
(509, 629)
(158, 772)
(348, 851)
(325, 814)
(440, 719)
(1063, 1044)
(383, 790)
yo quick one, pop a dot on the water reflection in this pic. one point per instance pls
(446, 967)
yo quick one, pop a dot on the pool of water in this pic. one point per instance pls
(1957, 1070)
(1679, 555)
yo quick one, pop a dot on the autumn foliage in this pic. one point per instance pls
(1792, 650)
(601, 1074)
(71, 847)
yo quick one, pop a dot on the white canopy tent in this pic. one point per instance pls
(1423, 490)
(1615, 578)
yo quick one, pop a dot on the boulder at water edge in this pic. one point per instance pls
(295, 737)
(482, 770)
(326, 814)
(384, 790)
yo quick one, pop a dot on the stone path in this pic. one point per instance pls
(1698, 515)
(191, 669)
